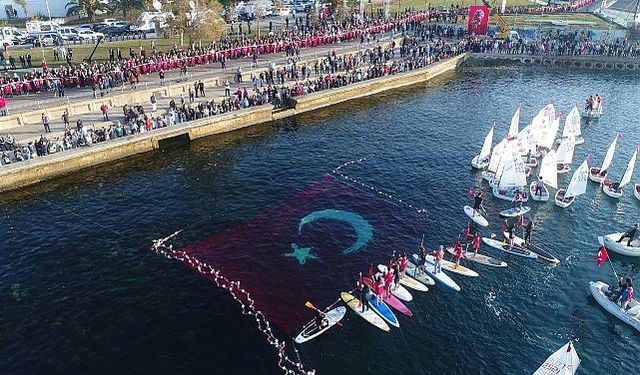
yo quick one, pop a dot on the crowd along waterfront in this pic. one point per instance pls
(83, 292)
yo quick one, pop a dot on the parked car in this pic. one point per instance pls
(68, 33)
(44, 40)
(116, 30)
(86, 35)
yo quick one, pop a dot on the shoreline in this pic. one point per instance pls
(31, 172)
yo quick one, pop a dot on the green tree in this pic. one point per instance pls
(88, 6)
(23, 5)
(125, 7)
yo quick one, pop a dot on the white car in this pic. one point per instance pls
(89, 35)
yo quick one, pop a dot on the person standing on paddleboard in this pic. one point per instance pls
(422, 256)
(438, 255)
(388, 281)
(362, 293)
(477, 203)
(457, 252)
(404, 263)
(527, 233)
(396, 275)
(476, 242)
(370, 272)
(380, 287)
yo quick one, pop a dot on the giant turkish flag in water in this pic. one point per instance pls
(310, 247)
(478, 19)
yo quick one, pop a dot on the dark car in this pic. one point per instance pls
(116, 30)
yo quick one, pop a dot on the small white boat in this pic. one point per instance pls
(564, 154)
(636, 190)
(577, 186)
(515, 211)
(476, 216)
(440, 277)
(610, 241)
(630, 316)
(608, 186)
(530, 162)
(312, 330)
(572, 127)
(514, 250)
(564, 361)
(548, 175)
(481, 160)
(593, 114)
(599, 174)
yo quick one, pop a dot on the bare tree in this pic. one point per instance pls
(199, 20)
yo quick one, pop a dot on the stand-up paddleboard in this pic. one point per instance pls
(399, 291)
(389, 299)
(480, 258)
(515, 211)
(414, 272)
(476, 216)
(368, 314)
(452, 267)
(312, 329)
(515, 249)
(441, 277)
(542, 254)
(383, 310)
(407, 281)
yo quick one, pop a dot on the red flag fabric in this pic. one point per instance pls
(602, 256)
(478, 19)
(521, 221)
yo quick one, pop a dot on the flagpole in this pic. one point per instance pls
(614, 270)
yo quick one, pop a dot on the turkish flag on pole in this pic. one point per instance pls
(602, 256)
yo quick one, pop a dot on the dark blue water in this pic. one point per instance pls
(80, 292)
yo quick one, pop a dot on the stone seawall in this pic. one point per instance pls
(18, 175)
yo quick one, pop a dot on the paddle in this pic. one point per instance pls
(310, 305)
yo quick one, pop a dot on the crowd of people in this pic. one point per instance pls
(274, 86)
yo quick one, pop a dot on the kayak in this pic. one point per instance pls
(383, 310)
(476, 216)
(367, 315)
(414, 272)
(389, 299)
(312, 330)
(542, 254)
(480, 258)
(514, 250)
(442, 277)
(630, 316)
(407, 281)
(451, 267)
(515, 211)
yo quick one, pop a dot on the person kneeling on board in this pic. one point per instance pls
(321, 321)
(631, 234)
(438, 256)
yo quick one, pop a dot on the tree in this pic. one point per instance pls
(23, 5)
(197, 19)
(125, 6)
(88, 6)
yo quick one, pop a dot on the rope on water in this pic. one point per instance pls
(241, 296)
(337, 172)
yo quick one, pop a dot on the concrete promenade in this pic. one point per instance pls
(33, 171)
(585, 62)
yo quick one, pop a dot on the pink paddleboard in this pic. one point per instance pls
(390, 300)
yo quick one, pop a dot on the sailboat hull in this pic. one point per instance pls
(561, 200)
(540, 197)
(532, 163)
(563, 168)
(607, 189)
(508, 194)
(478, 163)
(636, 190)
(594, 175)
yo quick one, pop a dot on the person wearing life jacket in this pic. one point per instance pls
(457, 252)
(505, 229)
(379, 289)
(388, 281)
(476, 242)
(467, 231)
(438, 255)
(370, 272)
(404, 263)
(627, 295)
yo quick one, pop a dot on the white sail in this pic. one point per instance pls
(542, 123)
(626, 178)
(513, 174)
(578, 183)
(609, 156)
(496, 156)
(564, 155)
(564, 361)
(549, 169)
(552, 131)
(515, 121)
(486, 146)
(572, 123)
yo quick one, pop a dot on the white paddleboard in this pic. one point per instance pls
(480, 258)
(476, 216)
(515, 211)
(407, 281)
(515, 250)
(369, 315)
(312, 330)
(440, 276)
(451, 267)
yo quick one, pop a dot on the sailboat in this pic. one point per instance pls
(615, 190)
(548, 175)
(512, 177)
(542, 125)
(564, 361)
(577, 186)
(515, 122)
(494, 162)
(572, 126)
(598, 174)
(564, 154)
(636, 190)
(481, 160)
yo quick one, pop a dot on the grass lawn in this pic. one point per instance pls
(422, 4)
(558, 20)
